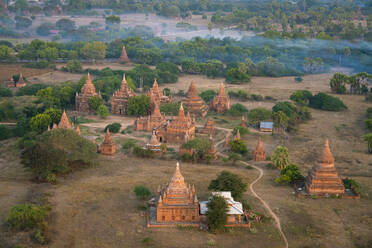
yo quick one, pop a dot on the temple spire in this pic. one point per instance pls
(181, 112)
(221, 92)
(327, 157)
(64, 123)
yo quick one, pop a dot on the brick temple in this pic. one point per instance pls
(148, 123)
(259, 153)
(209, 127)
(323, 177)
(120, 98)
(179, 130)
(124, 56)
(108, 146)
(19, 84)
(157, 96)
(82, 99)
(177, 201)
(195, 105)
(65, 123)
(221, 102)
(154, 144)
(212, 149)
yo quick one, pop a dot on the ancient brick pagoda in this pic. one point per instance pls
(154, 144)
(108, 146)
(323, 177)
(19, 84)
(119, 100)
(179, 130)
(82, 99)
(124, 56)
(177, 202)
(259, 153)
(242, 123)
(221, 102)
(195, 105)
(157, 96)
(65, 123)
(148, 123)
(209, 127)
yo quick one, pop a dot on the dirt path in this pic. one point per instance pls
(266, 205)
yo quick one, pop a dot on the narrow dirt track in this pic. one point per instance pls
(266, 205)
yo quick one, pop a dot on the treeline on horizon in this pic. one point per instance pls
(260, 56)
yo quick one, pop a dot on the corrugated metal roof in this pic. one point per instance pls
(265, 124)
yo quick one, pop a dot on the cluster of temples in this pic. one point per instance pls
(157, 96)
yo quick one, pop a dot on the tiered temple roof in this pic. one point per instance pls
(221, 102)
(120, 98)
(195, 105)
(179, 130)
(259, 153)
(209, 127)
(156, 95)
(82, 99)
(323, 177)
(65, 123)
(177, 201)
(108, 146)
(124, 56)
(148, 123)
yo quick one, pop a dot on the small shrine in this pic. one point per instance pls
(259, 153)
(108, 146)
(221, 102)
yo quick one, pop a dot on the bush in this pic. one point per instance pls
(289, 174)
(143, 153)
(40, 65)
(26, 216)
(102, 111)
(138, 106)
(142, 192)
(200, 146)
(113, 128)
(208, 95)
(301, 97)
(352, 184)
(5, 92)
(255, 116)
(280, 157)
(30, 90)
(227, 181)
(238, 146)
(326, 102)
(369, 113)
(237, 110)
(73, 66)
(369, 124)
(171, 109)
(217, 213)
(128, 144)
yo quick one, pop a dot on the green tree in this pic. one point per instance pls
(95, 102)
(200, 146)
(255, 116)
(280, 157)
(58, 151)
(217, 213)
(138, 106)
(39, 123)
(65, 24)
(74, 66)
(6, 53)
(94, 50)
(102, 111)
(338, 83)
(44, 29)
(142, 192)
(208, 95)
(113, 127)
(54, 114)
(238, 146)
(301, 97)
(290, 174)
(47, 97)
(5, 92)
(227, 181)
(234, 157)
(237, 110)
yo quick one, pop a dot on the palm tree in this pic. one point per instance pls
(368, 138)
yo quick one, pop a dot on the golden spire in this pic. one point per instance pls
(221, 92)
(177, 180)
(155, 86)
(181, 112)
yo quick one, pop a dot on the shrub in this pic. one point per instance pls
(238, 146)
(255, 116)
(227, 181)
(4, 92)
(73, 66)
(237, 110)
(113, 128)
(242, 130)
(352, 184)
(186, 157)
(298, 79)
(301, 97)
(289, 174)
(326, 102)
(95, 102)
(128, 144)
(26, 216)
(5, 132)
(217, 213)
(369, 113)
(138, 106)
(171, 108)
(200, 146)
(208, 95)
(103, 111)
(142, 192)
(143, 153)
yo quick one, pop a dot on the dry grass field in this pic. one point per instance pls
(7, 70)
(96, 207)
